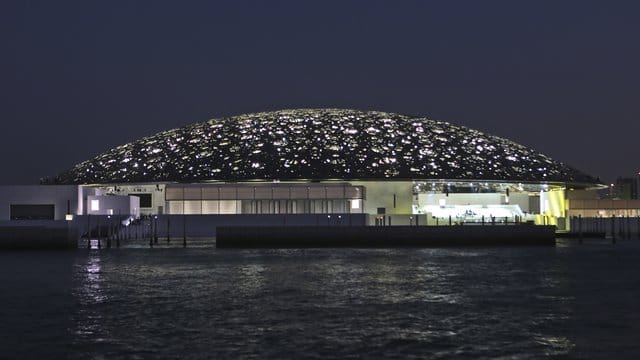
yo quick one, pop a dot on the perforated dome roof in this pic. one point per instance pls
(320, 144)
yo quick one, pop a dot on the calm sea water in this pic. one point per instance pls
(569, 301)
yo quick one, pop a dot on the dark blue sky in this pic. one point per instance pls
(80, 77)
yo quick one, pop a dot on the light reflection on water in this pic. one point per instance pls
(555, 345)
(251, 278)
(328, 303)
(90, 296)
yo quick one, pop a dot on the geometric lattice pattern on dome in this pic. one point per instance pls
(318, 144)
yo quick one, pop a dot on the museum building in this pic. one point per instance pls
(328, 161)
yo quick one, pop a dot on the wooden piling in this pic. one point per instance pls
(580, 228)
(628, 227)
(109, 233)
(155, 234)
(184, 230)
(88, 231)
(168, 230)
(99, 233)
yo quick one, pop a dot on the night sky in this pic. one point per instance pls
(80, 77)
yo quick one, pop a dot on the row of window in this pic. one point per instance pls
(195, 207)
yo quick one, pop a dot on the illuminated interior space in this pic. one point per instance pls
(604, 208)
(264, 198)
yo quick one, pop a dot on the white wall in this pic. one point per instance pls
(57, 195)
(520, 199)
(113, 205)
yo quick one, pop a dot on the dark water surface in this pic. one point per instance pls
(571, 301)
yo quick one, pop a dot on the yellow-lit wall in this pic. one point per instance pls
(554, 204)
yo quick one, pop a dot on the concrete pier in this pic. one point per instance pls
(383, 236)
(38, 237)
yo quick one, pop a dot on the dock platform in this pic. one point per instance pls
(383, 236)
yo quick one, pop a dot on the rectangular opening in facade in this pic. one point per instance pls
(145, 200)
(32, 212)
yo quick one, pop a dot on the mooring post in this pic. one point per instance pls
(602, 225)
(155, 229)
(506, 220)
(621, 228)
(99, 233)
(580, 228)
(88, 231)
(184, 230)
(114, 230)
(449, 220)
(168, 230)
(482, 220)
(109, 232)
(628, 227)
(599, 226)
(118, 228)
(613, 229)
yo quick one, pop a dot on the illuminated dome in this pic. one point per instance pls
(320, 144)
